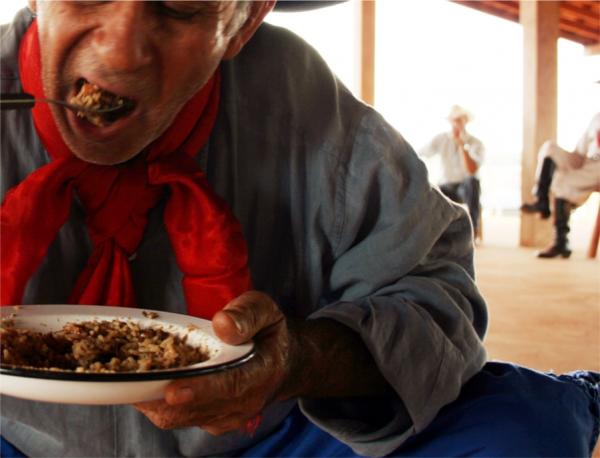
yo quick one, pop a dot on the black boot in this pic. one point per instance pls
(560, 247)
(542, 204)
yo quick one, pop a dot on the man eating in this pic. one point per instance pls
(242, 183)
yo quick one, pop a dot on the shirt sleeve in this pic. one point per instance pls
(431, 148)
(403, 279)
(588, 143)
(476, 150)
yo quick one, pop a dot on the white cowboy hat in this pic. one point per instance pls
(459, 112)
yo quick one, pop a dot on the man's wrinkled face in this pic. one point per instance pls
(155, 55)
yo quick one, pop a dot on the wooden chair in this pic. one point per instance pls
(593, 246)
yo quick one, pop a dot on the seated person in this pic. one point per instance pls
(571, 176)
(461, 156)
(241, 182)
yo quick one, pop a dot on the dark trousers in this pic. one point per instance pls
(503, 411)
(466, 192)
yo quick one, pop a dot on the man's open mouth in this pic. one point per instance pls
(98, 106)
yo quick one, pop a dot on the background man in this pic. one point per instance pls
(571, 176)
(461, 156)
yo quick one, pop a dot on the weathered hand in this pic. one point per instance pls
(228, 400)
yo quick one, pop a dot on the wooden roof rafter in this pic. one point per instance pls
(579, 20)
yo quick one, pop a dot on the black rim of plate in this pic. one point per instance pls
(165, 374)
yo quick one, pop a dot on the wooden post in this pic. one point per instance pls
(367, 54)
(593, 246)
(540, 20)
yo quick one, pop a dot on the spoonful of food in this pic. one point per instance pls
(15, 101)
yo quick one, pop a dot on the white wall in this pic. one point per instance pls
(8, 8)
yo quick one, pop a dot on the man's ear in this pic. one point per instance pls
(258, 11)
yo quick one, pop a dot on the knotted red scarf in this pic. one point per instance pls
(207, 239)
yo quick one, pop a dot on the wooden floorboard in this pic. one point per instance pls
(544, 314)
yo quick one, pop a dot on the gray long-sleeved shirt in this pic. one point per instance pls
(340, 222)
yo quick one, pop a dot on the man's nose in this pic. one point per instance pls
(123, 41)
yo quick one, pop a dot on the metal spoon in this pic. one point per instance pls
(15, 101)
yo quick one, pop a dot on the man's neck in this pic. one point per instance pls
(458, 133)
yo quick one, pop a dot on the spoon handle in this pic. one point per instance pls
(16, 101)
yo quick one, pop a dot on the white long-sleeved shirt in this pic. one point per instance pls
(453, 164)
(589, 143)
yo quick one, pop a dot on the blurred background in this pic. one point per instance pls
(431, 54)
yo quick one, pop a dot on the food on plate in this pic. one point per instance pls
(97, 346)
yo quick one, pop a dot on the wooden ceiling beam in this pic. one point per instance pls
(579, 20)
(592, 50)
(572, 26)
(508, 10)
(585, 21)
(591, 9)
(584, 36)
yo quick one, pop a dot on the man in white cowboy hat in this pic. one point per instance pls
(461, 156)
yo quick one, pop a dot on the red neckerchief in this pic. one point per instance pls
(207, 239)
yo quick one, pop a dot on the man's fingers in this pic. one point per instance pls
(206, 389)
(216, 393)
(225, 401)
(184, 391)
(150, 405)
(179, 395)
(229, 326)
(236, 421)
(213, 420)
(245, 316)
(224, 425)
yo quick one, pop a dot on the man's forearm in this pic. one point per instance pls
(470, 164)
(328, 359)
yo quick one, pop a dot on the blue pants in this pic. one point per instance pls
(466, 192)
(505, 410)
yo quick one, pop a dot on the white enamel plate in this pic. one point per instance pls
(112, 388)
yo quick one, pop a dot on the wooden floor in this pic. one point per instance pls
(544, 314)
